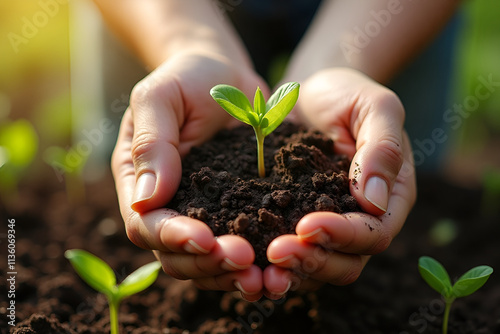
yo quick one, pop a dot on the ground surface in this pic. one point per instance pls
(389, 297)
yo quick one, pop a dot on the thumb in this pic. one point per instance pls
(154, 150)
(379, 153)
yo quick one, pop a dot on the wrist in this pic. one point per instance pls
(196, 27)
(204, 44)
(304, 64)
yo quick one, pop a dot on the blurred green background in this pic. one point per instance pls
(37, 108)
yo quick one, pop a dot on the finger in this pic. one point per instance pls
(356, 233)
(380, 149)
(154, 230)
(182, 234)
(122, 165)
(145, 230)
(230, 253)
(310, 261)
(365, 120)
(129, 184)
(248, 282)
(361, 233)
(157, 112)
(141, 229)
(277, 281)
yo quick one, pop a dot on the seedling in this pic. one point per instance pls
(18, 148)
(263, 117)
(437, 277)
(96, 273)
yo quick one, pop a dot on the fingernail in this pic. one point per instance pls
(229, 265)
(311, 234)
(279, 295)
(320, 237)
(144, 188)
(238, 286)
(377, 192)
(281, 260)
(192, 247)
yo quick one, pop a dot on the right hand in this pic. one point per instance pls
(171, 111)
(365, 120)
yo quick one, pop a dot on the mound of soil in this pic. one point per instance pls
(220, 184)
(389, 297)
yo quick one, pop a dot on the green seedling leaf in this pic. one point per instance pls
(139, 279)
(94, 271)
(279, 106)
(259, 103)
(19, 142)
(101, 277)
(265, 117)
(472, 280)
(232, 100)
(435, 275)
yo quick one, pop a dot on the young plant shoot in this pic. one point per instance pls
(263, 117)
(101, 277)
(18, 148)
(437, 277)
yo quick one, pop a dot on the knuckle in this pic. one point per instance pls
(143, 91)
(391, 149)
(386, 99)
(143, 143)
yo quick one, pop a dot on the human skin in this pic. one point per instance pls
(366, 122)
(190, 47)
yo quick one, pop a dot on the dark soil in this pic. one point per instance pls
(220, 184)
(389, 297)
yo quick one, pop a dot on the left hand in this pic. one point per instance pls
(170, 112)
(365, 120)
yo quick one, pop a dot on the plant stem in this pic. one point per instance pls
(446, 315)
(260, 152)
(114, 305)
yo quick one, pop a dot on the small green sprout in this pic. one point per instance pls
(18, 148)
(98, 274)
(437, 277)
(263, 117)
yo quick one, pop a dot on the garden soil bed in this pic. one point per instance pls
(389, 297)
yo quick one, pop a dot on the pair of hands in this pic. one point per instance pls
(171, 111)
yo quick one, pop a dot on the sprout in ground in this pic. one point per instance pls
(263, 117)
(101, 277)
(18, 148)
(437, 277)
